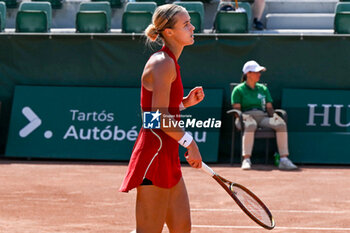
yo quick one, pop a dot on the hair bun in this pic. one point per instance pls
(151, 32)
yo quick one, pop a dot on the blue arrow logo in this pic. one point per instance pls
(34, 122)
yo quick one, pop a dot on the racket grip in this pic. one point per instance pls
(207, 169)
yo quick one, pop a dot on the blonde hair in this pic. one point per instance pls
(162, 18)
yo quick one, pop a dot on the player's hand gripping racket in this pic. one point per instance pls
(246, 200)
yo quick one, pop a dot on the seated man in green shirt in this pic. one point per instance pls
(255, 102)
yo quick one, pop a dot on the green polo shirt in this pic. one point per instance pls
(251, 98)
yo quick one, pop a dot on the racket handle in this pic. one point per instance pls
(207, 169)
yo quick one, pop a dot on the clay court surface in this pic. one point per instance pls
(39, 196)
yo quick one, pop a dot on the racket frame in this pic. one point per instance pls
(224, 183)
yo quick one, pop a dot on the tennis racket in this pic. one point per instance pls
(246, 200)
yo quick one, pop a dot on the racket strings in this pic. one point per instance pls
(252, 205)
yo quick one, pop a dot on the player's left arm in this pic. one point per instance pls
(195, 96)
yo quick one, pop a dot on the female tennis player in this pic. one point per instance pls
(154, 168)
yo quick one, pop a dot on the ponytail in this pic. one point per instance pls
(244, 78)
(151, 33)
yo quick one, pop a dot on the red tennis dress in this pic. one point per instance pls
(155, 155)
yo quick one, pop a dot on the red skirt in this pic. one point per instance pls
(155, 156)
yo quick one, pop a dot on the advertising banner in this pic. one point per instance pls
(94, 123)
(318, 125)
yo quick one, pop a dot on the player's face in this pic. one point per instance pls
(183, 29)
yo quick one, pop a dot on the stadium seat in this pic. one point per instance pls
(2, 16)
(38, 6)
(137, 16)
(91, 22)
(158, 2)
(342, 23)
(136, 21)
(98, 6)
(113, 3)
(10, 3)
(342, 7)
(141, 6)
(193, 9)
(245, 5)
(31, 21)
(342, 18)
(55, 4)
(231, 22)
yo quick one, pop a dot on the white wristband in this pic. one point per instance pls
(182, 107)
(186, 140)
